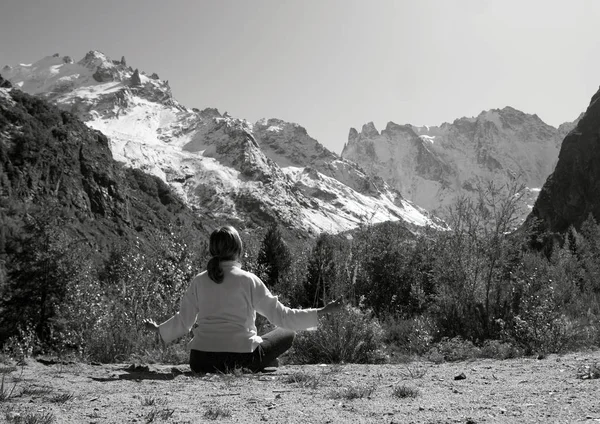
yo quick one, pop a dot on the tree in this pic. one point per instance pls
(274, 256)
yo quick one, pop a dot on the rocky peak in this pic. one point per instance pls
(369, 130)
(94, 59)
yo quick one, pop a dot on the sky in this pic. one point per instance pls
(330, 65)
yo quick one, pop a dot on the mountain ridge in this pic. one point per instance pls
(434, 165)
(215, 162)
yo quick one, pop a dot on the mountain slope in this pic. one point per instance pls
(222, 167)
(51, 162)
(433, 165)
(572, 192)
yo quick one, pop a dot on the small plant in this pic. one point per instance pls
(62, 398)
(353, 392)
(216, 412)
(36, 391)
(148, 401)
(31, 418)
(303, 379)
(403, 392)
(413, 371)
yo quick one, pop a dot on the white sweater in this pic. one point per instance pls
(225, 313)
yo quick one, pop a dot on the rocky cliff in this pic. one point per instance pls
(572, 192)
(432, 166)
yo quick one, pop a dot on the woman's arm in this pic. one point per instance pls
(292, 319)
(180, 323)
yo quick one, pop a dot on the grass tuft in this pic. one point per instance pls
(36, 391)
(216, 412)
(303, 379)
(353, 392)
(62, 398)
(403, 392)
(31, 418)
(148, 401)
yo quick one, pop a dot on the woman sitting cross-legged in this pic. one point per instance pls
(222, 301)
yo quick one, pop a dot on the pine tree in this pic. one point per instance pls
(274, 256)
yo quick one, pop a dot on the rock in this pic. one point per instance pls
(135, 78)
(460, 376)
(154, 76)
(123, 61)
(103, 74)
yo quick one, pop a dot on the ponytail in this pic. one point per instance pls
(225, 245)
(215, 272)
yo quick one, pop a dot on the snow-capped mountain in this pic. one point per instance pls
(223, 167)
(432, 166)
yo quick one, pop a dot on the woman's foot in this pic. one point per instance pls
(273, 364)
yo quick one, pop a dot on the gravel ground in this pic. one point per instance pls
(523, 390)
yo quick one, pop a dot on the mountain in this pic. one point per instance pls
(432, 166)
(572, 192)
(53, 166)
(224, 168)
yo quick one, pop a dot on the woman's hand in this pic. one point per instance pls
(334, 306)
(150, 325)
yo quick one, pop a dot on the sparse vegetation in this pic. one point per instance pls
(31, 418)
(303, 379)
(353, 392)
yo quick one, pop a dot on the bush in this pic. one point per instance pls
(451, 350)
(411, 336)
(497, 349)
(349, 336)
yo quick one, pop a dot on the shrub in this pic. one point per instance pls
(350, 336)
(455, 349)
(412, 336)
(498, 349)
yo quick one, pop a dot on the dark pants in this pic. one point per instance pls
(274, 344)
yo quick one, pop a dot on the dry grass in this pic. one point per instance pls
(303, 379)
(403, 392)
(61, 398)
(30, 418)
(216, 412)
(353, 392)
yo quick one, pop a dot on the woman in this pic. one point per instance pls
(222, 301)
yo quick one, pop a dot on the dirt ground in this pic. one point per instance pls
(523, 390)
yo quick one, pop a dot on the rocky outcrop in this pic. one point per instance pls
(572, 192)
(135, 78)
(4, 83)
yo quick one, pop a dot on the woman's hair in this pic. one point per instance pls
(225, 245)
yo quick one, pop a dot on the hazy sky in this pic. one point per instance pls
(331, 65)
